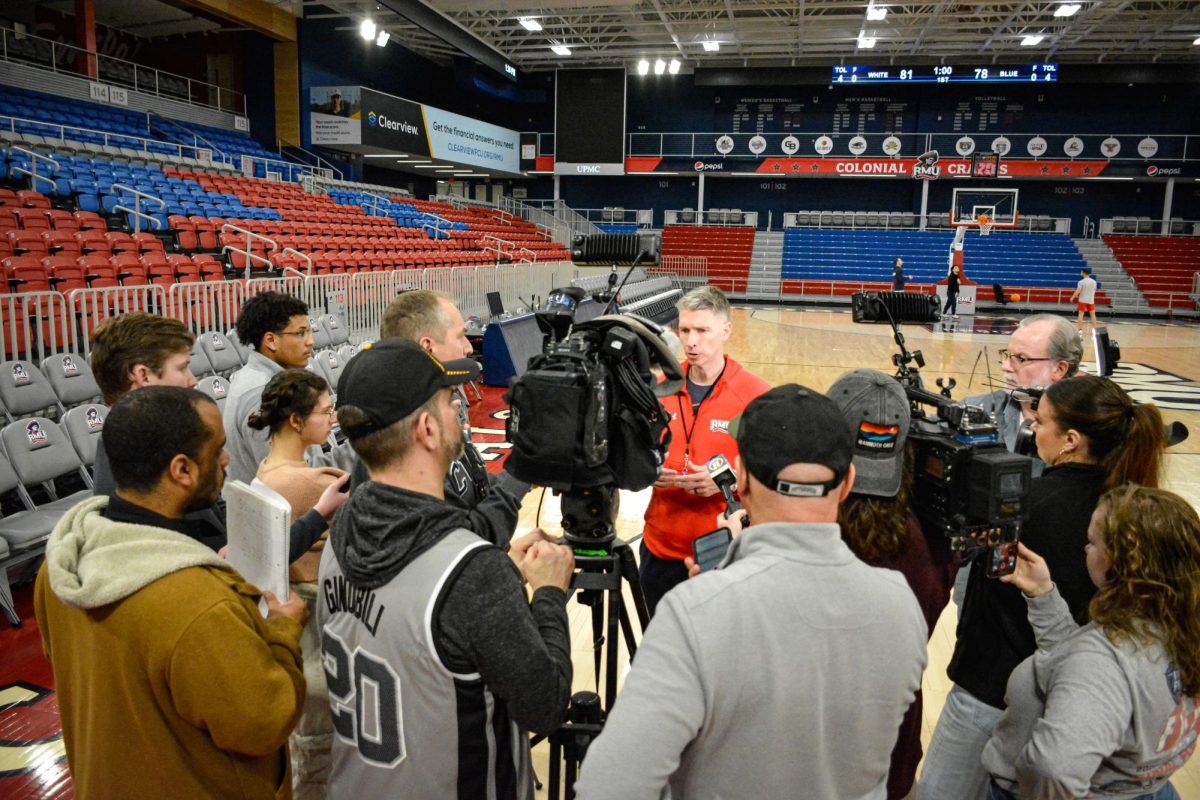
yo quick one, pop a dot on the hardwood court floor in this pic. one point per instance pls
(1160, 362)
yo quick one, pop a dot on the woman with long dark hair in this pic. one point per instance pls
(297, 410)
(1109, 709)
(1093, 437)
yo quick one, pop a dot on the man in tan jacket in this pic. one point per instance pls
(170, 681)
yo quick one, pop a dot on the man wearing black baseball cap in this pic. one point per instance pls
(409, 597)
(838, 646)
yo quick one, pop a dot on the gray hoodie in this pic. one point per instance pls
(1088, 717)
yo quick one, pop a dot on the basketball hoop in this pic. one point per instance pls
(985, 224)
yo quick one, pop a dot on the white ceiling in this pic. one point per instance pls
(803, 32)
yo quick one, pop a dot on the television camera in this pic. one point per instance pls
(967, 486)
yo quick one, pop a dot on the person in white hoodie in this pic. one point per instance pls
(170, 681)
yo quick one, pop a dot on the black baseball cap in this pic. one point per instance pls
(389, 380)
(793, 425)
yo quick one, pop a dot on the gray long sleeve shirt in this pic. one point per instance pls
(1088, 717)
(247, 447)
(783, 674)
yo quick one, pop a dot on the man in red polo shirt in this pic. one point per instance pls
(685, 499)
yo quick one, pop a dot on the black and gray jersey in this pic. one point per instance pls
(406, 726)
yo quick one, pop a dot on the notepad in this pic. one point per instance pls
(259, 520)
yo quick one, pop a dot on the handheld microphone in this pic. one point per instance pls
(723, 475)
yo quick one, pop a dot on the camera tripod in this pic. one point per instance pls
(605, 563)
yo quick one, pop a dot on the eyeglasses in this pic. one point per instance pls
(330, 412)
(303, 333)
(1018, 359)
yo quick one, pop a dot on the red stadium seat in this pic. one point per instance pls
(62, 220)
(28, 198)
(32, 219)
(61, 242)
(23, 242)
(148, 243)
(121, 242)
(93, 241)
(90, 221)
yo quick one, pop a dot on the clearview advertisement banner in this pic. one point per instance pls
(335, 113)
(398, 124)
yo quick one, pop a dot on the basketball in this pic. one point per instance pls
(1016, 298)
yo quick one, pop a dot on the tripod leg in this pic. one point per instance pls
(629, 572)
(615, 606)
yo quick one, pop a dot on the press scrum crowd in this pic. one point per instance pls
(422, 643)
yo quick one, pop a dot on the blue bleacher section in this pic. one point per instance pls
(617, 227)
(405, 214)
(89, 182)
(46, 111)
(1012, 259)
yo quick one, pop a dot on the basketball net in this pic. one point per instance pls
(985, 224)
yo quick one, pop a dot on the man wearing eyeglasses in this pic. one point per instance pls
(1043, 350)
(277, 327)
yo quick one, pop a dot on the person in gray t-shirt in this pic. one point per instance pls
(1109, 709)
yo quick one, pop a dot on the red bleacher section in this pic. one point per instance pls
(43, 249)
(1162, 266)
(727, 249)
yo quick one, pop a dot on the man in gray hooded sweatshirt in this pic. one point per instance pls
(435, 660)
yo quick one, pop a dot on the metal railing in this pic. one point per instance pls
(25, 48)
(1145, 226)
(325, 167)
(117, 140)
(136, 211)
(198, 142)
(728, 217)
(305, 257)
(896, 220)
(248, 253)
(641, 217)
(33, 173)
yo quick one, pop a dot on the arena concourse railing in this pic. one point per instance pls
(723, 217)
(35, 325)
(25, 48)
(1147, 226)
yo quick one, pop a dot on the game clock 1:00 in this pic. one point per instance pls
(945, 73)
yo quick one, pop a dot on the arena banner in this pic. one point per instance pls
(335, 114)
(405, 126)
(899, 167)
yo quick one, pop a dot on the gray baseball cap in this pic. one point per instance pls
(877, 411)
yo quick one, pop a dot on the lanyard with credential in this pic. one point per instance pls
(687, 434)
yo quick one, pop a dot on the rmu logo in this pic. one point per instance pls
(371, 119)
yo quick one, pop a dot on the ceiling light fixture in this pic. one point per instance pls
(876, 13)
(1032, 40)
(367, 29)
(660, 67)
(1196, 42)
(1067, 10)
(711, 47)
(643, 67)
(865, 42)
(382, 39)
(560, 49)
(673, 67)
(529, 23)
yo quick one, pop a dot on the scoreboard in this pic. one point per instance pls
(945, 73)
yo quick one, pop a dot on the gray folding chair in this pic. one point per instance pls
(242, 349)
(199, 365)
(83, 425)
(329, 367)
(24, 390)
(222, 356)
(39, 452)
(23, 537)
(71, 378)
(337, 331)
(319, 334)
(215, 387)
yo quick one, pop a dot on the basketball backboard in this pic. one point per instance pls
(997, 206)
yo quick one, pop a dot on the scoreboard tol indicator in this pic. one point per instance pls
(944, 73)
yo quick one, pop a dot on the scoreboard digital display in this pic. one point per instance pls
(945, 73)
